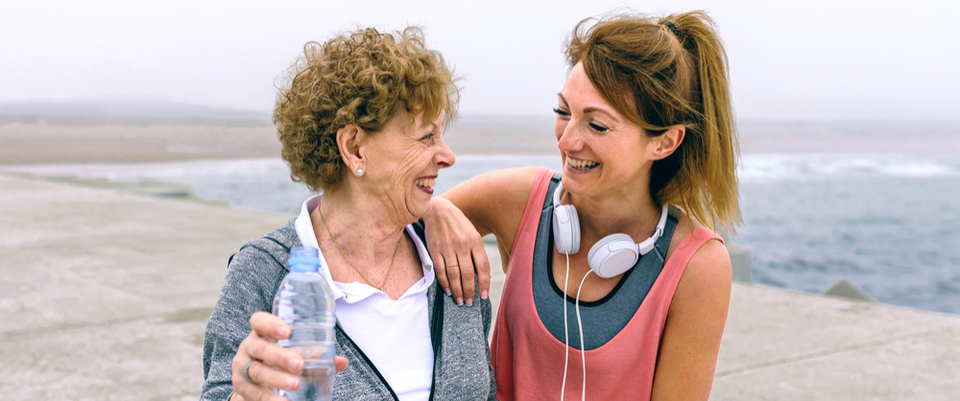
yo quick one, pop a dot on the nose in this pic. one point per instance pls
(444, 157)
(568, 138)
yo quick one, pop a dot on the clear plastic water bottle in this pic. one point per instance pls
(305, 303)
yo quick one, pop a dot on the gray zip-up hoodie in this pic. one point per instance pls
(461, 368)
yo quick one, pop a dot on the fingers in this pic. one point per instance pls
(269, 326)
(453, 273)
(272, 366)
(340, 363)
(264, 376)
(440, 270)
(270, 354)
(467, 277)
(252, 392)
(457, 274)
(482, 265)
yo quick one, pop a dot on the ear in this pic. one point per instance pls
(665, 144)
(350, 140)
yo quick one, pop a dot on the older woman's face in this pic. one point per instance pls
(404, 160)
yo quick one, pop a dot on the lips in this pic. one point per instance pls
(426, 184)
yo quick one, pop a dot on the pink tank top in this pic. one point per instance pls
(528, 360)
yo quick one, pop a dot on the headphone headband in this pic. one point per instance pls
(661, 225)
(613, 254)
(557, 193)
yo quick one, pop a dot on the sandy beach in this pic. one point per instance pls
(108, 143)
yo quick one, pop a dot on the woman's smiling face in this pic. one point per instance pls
(603, 152)
(403, 162)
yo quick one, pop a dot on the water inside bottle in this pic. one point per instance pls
(318, 373)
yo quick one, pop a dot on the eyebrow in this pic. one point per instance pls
(432, 127)
(589, 110)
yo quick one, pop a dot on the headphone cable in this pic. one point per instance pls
(583, 357)
(566, 338)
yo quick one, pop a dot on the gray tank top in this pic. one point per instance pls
(604, 318)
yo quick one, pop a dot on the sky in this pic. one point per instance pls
(809, 60)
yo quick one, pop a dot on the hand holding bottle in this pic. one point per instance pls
(273, 366)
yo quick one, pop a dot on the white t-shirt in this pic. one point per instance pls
(394, 334)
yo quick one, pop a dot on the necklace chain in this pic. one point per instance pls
(394, 259)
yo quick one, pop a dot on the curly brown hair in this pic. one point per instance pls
(661, 73)
(364, 78)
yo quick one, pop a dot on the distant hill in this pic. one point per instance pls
(127, 112)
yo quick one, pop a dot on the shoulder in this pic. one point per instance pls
(271, 248)
(709, 266)
(259, 266)
(708, 274)
(695, 320)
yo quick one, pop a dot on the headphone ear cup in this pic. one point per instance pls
(566, 229)
(613, 255)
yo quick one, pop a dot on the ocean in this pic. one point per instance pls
(890, 223)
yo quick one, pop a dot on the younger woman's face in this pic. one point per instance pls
(604, 153)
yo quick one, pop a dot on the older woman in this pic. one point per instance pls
(362, 121)
(616, 286)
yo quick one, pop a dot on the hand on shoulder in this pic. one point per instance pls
(489, 203)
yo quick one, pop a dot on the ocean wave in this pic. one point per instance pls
(765, 167)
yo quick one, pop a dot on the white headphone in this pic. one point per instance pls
(609, 257)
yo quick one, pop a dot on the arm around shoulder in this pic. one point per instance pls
(494, 201)
(458, 219)
(694, 327)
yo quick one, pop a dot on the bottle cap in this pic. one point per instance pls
(303, 260)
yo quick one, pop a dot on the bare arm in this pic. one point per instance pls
(488, 203)
(691, 338)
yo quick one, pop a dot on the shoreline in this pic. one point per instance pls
(44, 143)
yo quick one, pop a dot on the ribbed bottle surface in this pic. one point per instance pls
(305, 303)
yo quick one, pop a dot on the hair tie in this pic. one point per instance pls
(674, 29)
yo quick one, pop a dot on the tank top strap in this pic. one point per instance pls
(690, 244)
(527, 231)
(676, 264)
(516, 310)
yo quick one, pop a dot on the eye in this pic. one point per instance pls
(427, 137)
(598, 127)
(561, 112)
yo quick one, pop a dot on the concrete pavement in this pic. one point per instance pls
(104, 295)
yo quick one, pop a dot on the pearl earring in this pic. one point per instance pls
(359, 172)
